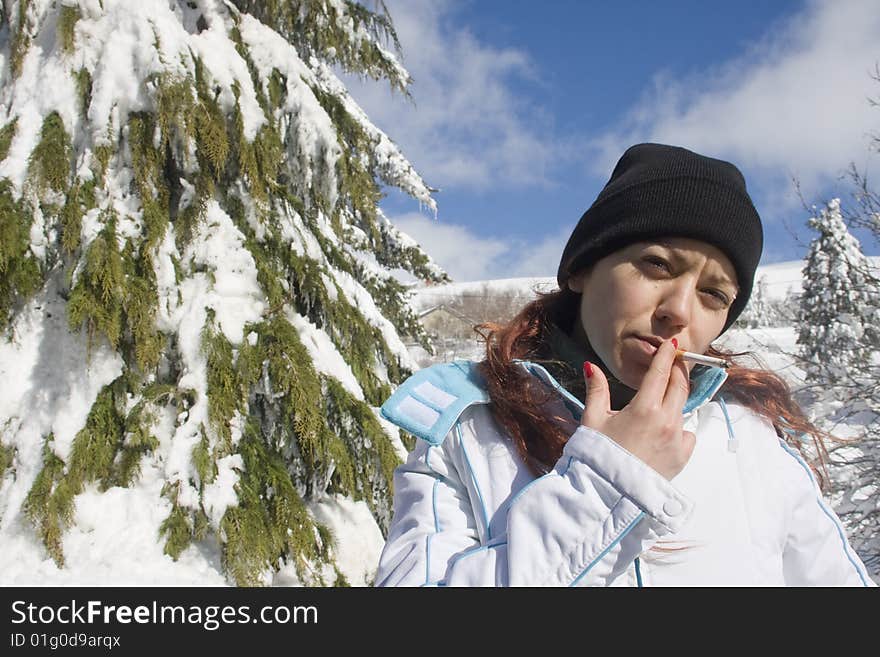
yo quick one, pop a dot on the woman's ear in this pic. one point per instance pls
(575, 282)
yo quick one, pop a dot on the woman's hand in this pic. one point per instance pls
(651, 425)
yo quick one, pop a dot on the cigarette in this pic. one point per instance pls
(700, 358)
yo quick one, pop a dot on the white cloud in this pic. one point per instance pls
(464, 255)
(794, 106)
(468, 257)
(468, 127)
(540, 259)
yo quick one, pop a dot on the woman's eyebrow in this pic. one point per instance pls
(679, 258)
(721, 279)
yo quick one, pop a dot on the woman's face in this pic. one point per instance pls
(647, 292)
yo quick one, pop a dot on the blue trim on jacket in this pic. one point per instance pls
(467, 460)
(840, 532)
(617, 540)
(732, 442)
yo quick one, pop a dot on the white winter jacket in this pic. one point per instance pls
(745, 510)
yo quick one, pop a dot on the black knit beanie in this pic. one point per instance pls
(658, 191)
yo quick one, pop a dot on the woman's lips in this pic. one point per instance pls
(639, 349)
(648, 344)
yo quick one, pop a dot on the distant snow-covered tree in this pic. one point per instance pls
(761, 310)
(196, 291)
(838, 324)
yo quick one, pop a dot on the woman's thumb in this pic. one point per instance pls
(598, 402)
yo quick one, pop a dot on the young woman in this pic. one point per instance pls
(673, 472)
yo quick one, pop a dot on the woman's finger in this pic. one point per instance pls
(678, 387)
(598, 403)
(652, 392)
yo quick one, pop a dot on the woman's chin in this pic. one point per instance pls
(631, 376)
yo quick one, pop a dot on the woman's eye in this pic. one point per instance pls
(718, 296)
(657, 263)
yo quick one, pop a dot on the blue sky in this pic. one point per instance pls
(520, 110)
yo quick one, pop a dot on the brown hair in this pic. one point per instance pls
(520, 400)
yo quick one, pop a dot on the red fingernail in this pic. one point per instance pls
(588, 369)
(675, 343)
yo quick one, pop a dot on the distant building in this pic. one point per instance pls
(445, 322)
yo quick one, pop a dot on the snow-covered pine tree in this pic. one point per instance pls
(859, 465)
(760, 311)
(838, 333)
(839, 309)
(196, 291)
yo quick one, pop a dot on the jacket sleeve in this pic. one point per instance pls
(584, 523)
(817, 552)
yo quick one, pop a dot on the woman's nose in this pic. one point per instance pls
(676, 303)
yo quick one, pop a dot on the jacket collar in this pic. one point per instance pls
(705, 382)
